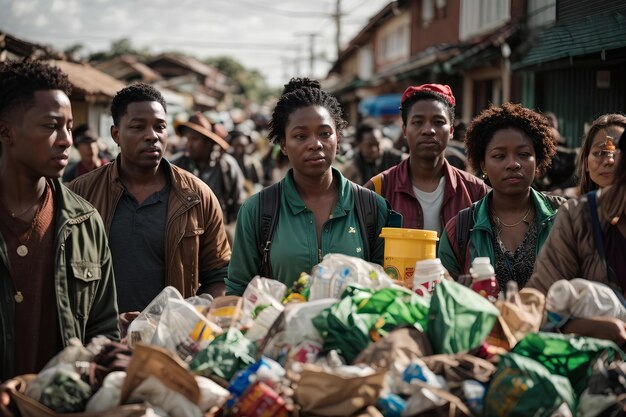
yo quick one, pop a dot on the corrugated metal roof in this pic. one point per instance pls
(593, 34)
(89, 80)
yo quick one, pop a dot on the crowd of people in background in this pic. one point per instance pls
(149, 217)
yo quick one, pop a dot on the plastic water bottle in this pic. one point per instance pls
(484, 280)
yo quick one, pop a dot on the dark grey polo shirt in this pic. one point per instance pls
(137, 242)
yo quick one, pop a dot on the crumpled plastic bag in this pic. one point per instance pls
(60, 389)
(227, 354)
(259, 293)
(174, 323)
(158, 395)
(582, 298)
(330, 277)
(606, 392)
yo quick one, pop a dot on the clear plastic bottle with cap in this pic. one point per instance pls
(484, 280)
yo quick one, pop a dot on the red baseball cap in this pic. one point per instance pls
(442, 89)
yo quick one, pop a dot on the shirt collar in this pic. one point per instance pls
(295, 202)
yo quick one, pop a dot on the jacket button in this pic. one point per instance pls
(188, 198)
(89, 274)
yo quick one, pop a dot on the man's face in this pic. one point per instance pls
(428, 129)
(198, 146)
(142, 134)
(370, 145)
(36, 138)
(88, 151)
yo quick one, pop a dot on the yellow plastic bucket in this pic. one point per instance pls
(404, 247)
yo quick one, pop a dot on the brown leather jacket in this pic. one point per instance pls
(195, 239)
(570, 251)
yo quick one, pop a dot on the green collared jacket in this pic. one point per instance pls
(481, 235)
(83, 276)
(294, 242)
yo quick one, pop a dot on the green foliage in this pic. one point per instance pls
(119, 47)
(251, 83)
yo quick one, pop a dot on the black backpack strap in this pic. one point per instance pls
(464, 223)
(367, 213)
(269, 205)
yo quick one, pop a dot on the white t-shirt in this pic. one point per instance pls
(431, 205)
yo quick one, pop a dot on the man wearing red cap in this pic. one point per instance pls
(206, 158)
(425, 188)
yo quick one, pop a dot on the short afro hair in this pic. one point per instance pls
(405, 107)
(299, 93)
(134, 93)
(510, 115)
(20, 79)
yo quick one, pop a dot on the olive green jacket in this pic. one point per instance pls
(83, 276)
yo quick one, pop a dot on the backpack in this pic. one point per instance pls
(269, 205)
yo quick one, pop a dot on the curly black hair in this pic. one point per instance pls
(134, 93)
(425, 95)
(510, 115)
(20, 79)
(299, 93)
(365, 127)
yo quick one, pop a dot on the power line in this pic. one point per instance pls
(290, 13)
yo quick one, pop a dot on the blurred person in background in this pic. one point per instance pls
(86, 142)
(369, 158)
(249, 163)
(206, 157)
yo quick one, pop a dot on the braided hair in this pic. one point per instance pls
(299, 93)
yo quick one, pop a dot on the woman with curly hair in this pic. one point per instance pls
(316, 208)
(595, 167)
(510, 145)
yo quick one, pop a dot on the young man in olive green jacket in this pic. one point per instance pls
(56, 276)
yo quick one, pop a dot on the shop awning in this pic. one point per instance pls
(384, 105)
(593, 34)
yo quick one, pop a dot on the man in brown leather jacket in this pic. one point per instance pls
(164, 225)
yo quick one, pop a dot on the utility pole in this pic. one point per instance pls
(312, 37)
(338, 24)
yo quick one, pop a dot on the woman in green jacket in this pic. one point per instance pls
(316, 212)
(510, 145)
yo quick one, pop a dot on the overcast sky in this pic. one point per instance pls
(269, 35)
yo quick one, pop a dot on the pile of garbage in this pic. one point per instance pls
(345, 340)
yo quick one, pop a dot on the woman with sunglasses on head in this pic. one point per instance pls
(578, 249)
(595, 167)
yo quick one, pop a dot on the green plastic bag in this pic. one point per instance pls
(524, 387)
(343, 329)
(567, 355)
(397, 306)
(459, 318)
(225, 355)
(364, 315)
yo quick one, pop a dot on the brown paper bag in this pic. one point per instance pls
(150, 360)
(325, 394)
(401, 345)
(29, 407)
(522, 315)
(461, 366)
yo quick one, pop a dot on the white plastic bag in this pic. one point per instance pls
(584, 299)
(331, 276)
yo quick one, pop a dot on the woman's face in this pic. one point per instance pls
(509, 162)
(310, 140)
(601, 162)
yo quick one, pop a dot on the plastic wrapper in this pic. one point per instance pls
(259, 293)
(227, 354)
(330, 277)
(60, 389)
(171, 322)
(584, 299)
